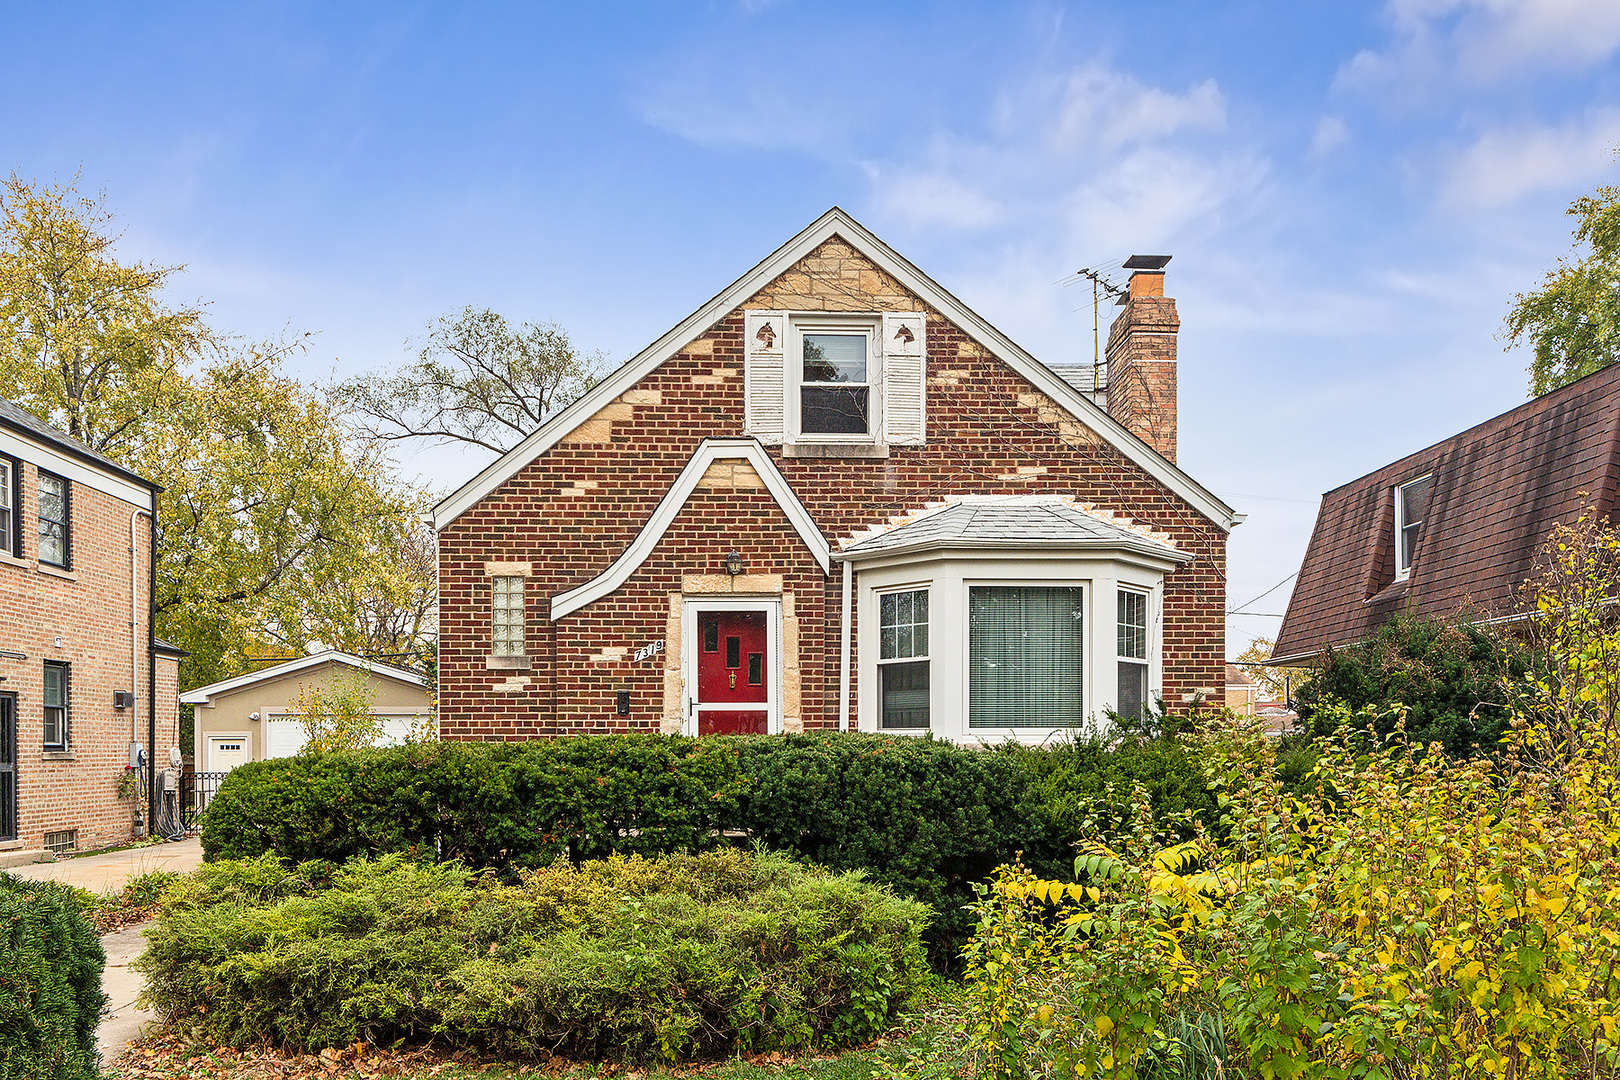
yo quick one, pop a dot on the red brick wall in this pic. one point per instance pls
(88, 609)
(574, 509)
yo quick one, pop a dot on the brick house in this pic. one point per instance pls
(835, 497)
(1452, 529)
(81, 667)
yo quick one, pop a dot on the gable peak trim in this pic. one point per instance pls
(708, 452)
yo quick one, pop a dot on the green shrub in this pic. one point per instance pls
(923, 816)
(495, 805)
(1449, 676)
(50, 983)
(680, 957)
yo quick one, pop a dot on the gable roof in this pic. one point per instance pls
(202, 694)
(24, 422)
(1010, 521)
(708, 452)
(835, 222)
(1498, 490)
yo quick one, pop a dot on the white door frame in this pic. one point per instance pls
(772, 607)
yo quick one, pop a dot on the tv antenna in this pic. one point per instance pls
(1101, 287)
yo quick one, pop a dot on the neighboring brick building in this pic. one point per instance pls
(80, 666)
(1452, 530)
(836, 497)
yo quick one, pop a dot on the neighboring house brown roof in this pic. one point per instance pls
(1498, 490)
(1236, 676)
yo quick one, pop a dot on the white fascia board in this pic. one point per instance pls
(45, 456)
(835, 222)
(201, 695)
(708, 452)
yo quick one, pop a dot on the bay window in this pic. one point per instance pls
(1026, 656)
(1131, 647)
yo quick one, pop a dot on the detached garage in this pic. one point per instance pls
(254, 716)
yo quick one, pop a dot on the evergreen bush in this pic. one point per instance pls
(674, 958)
(50, 983)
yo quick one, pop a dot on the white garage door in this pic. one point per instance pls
(284, 735)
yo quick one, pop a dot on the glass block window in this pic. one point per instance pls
(1026, 654)
(835, 396)
(903, 677)
(1132, 650)
(508, 615)
(56, 705)
(53, 520)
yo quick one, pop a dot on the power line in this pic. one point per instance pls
(1238, 610)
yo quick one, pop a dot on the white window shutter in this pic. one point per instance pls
(905, 408)
(764, 395)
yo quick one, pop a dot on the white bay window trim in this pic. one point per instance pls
(950, 579)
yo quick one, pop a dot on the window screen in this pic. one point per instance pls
(903, 677)
(835, 396)
(1026, 650)
(56, 705)
(1132, 649)
(1411, 508)
(53, 520)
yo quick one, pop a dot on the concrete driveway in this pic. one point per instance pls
(120, 1020)
(111, 871)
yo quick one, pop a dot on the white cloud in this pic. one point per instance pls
(931, 198)
(1101, 107)
(1505, 164)
(1477, 42)
(1331, 133)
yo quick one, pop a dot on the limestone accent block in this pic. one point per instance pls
(591, 431)
(1049, 412)
(714, 377)
(730, 475)
(834, 277)
(674, 681)
(1024, 472)
(610, 654)
(578, 487)
(703, 346)
(967, 348)
(645, 397)
(515, 685)
(615, 410)
(508, 569)
(670, 722)
(711, 584)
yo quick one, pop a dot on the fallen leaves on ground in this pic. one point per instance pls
(177, 1057)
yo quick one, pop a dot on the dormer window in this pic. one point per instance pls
(1411, 509)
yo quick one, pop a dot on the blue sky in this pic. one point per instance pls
(1352, 193)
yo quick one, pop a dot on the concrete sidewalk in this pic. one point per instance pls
(111, 871)
(120, 1020)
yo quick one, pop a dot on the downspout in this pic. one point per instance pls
(151, 659)
(843, 657)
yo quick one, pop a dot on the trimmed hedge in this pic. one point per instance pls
(926, 817)
(50, 983)
(686, 956)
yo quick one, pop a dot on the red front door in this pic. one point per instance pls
(732, 672)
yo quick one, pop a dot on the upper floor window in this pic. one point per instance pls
(903, 689)
(56, 705)
(508, 615)
(835, 389)
(851, 379)
(8, 507)
(1411, 508)
(1132, 651)
(54, 514)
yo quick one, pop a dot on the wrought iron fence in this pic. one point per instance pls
(197, 791)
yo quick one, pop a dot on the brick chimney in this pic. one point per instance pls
(1142, 357)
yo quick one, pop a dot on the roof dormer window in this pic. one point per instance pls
(1411, 509)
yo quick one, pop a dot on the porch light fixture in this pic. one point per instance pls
(734, 564)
